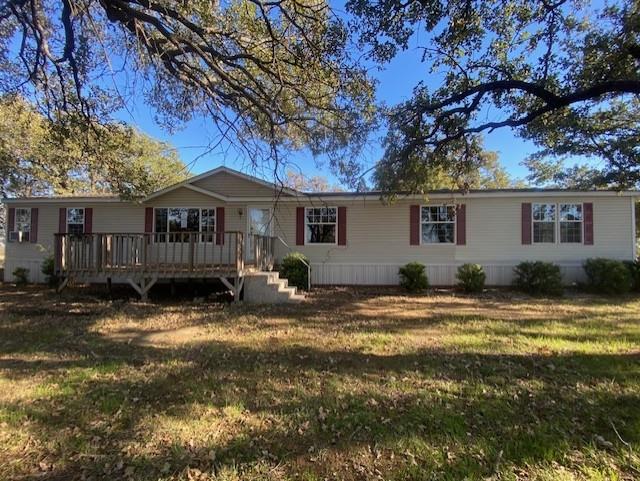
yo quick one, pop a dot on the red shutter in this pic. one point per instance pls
(588, 223)
(11, 222)
(148, 219)
(33, 236)
(526, 223)
(299, 226)
(220, 225)
(88, 220)
(342, 226)
(62, 221)
(414, 225)
(461, 224)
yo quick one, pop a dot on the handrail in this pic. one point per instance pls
(302, 260)
(263, 252)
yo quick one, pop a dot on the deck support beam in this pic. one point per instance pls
(62, 285)
(235, 288)
(144, 287)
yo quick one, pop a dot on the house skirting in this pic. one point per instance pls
(364, 274)
(34, 266)
(438, 274)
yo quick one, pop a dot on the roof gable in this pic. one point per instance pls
(226, 184)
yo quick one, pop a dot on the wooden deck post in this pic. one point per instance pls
(98, 263)
(237, 287)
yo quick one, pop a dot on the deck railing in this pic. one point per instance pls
(263, 251)
(183, 253)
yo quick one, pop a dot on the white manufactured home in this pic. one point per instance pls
(228, 225)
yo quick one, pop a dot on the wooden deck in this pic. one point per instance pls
(143, 258)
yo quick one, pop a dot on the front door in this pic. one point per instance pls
(259, 223)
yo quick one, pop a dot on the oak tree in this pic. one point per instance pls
(270, 75)
(563, 73)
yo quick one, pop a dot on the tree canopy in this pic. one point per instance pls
(484, 171)
(561, 73)
(270, 75)
(303, 183)
(39, 156)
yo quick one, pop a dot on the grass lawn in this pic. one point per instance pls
(355, 384)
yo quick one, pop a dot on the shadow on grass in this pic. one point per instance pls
(299, 408)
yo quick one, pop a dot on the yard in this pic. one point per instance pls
(355, 384)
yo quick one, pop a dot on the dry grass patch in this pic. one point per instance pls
(355, 384)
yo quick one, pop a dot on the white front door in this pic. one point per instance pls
(258, 223)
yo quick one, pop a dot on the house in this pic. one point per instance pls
(235, 227)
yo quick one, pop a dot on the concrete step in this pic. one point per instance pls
(269, 288)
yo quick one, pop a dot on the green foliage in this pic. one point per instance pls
(560, 74)
(425, 170)
(48, 269)
(607, 276)
(634, 273)
(294, 269)
(21, 275)
(538, 278)
(471, 278)
(609, 133)
(413, 277)
(43, 156)
(265, 78)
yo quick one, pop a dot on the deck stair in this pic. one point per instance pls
(268, 288)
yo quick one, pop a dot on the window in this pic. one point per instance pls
(544, 223)
(321, 225)
(438, 224)
(75, 221)
(23, 224)
(177, 220)
(208, 223)
(571, 223)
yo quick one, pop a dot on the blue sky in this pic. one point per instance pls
(395, 84)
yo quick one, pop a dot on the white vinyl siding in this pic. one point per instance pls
(234, 186)
(378, 237)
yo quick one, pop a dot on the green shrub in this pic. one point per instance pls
(21, 275)
(293, 268)
(538, 278)
(634, 272)
(413, 277)
(607, 276)
(48, 269)
(471, 277)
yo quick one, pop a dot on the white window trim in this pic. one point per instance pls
(454, 221)
(215, 225)
(555, 223)
(21, 237)
(581, 222)
(84, 214)
(306, 223)
(200, 209)
(18, 209)
(556, 227)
